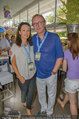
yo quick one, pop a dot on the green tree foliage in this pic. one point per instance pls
(62, 34)
(49, 18)
(72, 12)
(60, 14)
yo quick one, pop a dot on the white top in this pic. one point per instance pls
(4, 44)
(22, 61)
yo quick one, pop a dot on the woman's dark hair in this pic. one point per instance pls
(18, 37)
(74, 45)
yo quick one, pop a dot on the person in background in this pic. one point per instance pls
(48, 58)
(13, 40)
(22, 60)
(63, 45)
(71, 60)
(4, 46)
(7, 37)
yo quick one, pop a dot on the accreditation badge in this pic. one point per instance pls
(37, 56)
(31, 66)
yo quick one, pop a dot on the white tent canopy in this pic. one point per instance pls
(15, 6)
(23, 10)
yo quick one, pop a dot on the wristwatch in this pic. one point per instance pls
(54, 72)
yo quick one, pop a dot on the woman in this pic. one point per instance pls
(71, 61)
(22, 60)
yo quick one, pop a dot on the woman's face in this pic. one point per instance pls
(13, 39)
(25, 32)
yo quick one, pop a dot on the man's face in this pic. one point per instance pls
(13, 39)
(7, 36)
(39, 24)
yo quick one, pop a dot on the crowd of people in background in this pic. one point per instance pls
(36, 62)
(6, 43)
(4, 46)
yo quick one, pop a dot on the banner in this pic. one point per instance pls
(7, 12)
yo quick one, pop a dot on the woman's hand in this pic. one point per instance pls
(21, 78)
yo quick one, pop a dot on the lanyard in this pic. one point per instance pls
(40, 45)
(27, 51)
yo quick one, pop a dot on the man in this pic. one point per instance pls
(4, 46)
(48, 57)
(13, 39)
(7, 38)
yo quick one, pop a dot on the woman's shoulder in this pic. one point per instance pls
(14, 47)
(67, 53)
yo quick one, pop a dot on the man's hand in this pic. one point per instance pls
(53, 73)
(5, 49)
